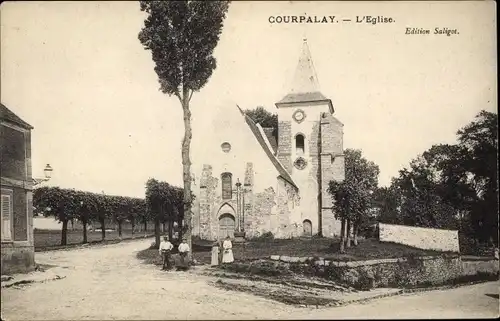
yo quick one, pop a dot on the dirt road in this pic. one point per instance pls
(110, 283)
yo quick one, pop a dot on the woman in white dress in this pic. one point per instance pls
(227, 256)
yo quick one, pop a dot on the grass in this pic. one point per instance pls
(320, 247)
(51, 239)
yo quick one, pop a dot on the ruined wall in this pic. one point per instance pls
(264, 214)
(274, 209)
(208, 186)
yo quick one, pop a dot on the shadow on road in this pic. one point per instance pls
(494, 296)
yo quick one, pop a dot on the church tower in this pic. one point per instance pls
(310, 146)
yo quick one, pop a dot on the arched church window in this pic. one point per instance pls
(299, 144)
(227, 185)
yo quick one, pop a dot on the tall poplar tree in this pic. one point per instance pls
(182, 36)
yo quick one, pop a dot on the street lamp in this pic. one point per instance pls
(48, 174)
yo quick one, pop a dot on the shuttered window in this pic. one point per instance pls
(6, 217)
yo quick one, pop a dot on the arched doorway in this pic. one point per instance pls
(307, 225)
(226, 226)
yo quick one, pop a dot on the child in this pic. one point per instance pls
(165, 251)
(183, 252)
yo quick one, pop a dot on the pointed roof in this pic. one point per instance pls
(7, 115)
(305, 84)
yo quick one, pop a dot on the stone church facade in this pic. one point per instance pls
(262, 180)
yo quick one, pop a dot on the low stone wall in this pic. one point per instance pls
(400, 272)
(476, 266)
(419, 237)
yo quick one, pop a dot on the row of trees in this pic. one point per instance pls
(448, 186)
(163, 205)
(67, 205)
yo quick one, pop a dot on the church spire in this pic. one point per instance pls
(305, 79)
(305, 84)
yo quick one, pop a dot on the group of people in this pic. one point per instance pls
(165, 250)
(222, 252)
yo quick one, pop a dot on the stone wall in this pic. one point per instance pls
(284, 154)
(332, 168)
(419, 237)
(264, 214)
(473, 267)
(208, 184)
(429, 270)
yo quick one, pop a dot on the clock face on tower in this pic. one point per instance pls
(299, 116)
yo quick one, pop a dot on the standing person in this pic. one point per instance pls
(215, 254)
(227, 257)
(221, 251)
(166, 252)
(183, 253)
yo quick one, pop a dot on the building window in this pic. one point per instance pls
(227, 186)
(6, 215)
(226, 147)
(299, 145)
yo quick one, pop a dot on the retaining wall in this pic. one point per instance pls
(429, 270)
(480, 265)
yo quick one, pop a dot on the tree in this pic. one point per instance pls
(182, 36)
(121, 208)
(161, 200)
(353, 196)
(387, 202)
(61, 203)
(480, 139)
(104, 211)
(136, 211)
(263, 117)
(87, 210)
(422, 201)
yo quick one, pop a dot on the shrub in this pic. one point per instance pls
(263, 237)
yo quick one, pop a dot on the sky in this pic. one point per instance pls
(78, 74)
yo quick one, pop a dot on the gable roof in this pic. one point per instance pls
(261, 139)
(7, 115)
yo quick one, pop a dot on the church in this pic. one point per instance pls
(254, 180)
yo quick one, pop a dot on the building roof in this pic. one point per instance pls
(302, 97)
(305, 84)
(7, 115)
(262, 142)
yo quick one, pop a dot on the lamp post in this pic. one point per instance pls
(48, 174)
